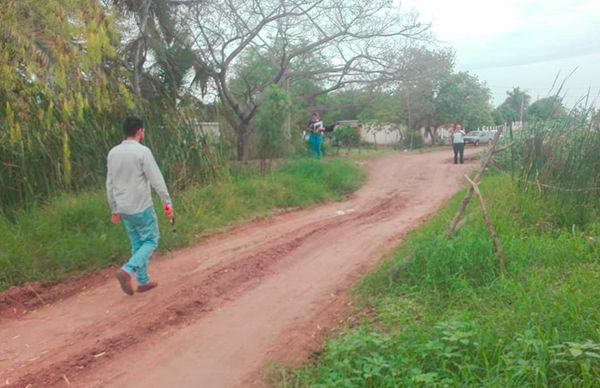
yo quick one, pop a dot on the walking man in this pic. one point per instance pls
(132, 170)
(458, 143)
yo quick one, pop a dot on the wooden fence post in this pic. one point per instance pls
(465, 202)
(490, 227)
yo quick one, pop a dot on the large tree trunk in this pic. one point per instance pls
(242, 132)
(430, 130)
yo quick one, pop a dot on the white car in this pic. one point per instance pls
(478, 137)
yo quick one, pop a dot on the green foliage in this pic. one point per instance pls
(559, 158)
(510, 110)
(413, 140)
(549, 108)
(442, 316)
(412, 103)
(59, 88)
(64, 96)
(72, 234)
(384, 108)
(347, 136)
(462, 98)
(156, 47)
(346, 104)
(252, 77)
(439, 97)
(431, 68)
(269, 122)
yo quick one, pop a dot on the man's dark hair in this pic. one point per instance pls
(131, 125)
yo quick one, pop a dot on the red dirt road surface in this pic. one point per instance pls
(229, 306)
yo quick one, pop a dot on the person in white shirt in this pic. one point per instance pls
(131, 172)
(458, 143)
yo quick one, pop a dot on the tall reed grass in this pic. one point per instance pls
(560, 159)
(41, 164)
(64, 92)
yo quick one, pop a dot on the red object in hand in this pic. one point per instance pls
(168, 210)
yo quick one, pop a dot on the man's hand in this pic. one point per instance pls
(169, 211)
(115, 219)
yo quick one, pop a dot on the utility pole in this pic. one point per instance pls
(408, 106)
(289, 113)
(521, 116)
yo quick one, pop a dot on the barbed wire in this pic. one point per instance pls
(545, 185)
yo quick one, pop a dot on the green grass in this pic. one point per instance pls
(443, 317)
(73, 235)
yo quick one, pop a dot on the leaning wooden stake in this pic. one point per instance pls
(490, 227)
(502, 149)
(465, 202)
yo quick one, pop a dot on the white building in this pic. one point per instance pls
(381, 133)
(207, 129)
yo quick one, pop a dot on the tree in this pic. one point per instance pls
(347, 137)
(516, 102)
(269, 122)
(251, 77)
(353, 42)
(344, 104)
(548, 108)
(462, 98)
(383, 107)
(59, 67)
(427, 71)
(155, 49)
(408, 100)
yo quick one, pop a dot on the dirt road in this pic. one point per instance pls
(235, 302)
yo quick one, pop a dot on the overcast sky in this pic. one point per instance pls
(521, 42)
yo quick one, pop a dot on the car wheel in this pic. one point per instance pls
(476, 143)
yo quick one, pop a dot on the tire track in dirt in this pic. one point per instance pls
(77, 340)
(192, 302)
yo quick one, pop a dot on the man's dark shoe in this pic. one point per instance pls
(147, 287)
(125, 281)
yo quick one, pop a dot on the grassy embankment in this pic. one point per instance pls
(443, 317)
(72, 234)
(441, 314)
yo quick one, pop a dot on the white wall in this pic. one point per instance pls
(382, 134)
(210, 129)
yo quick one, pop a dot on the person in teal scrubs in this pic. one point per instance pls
(315, 140)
